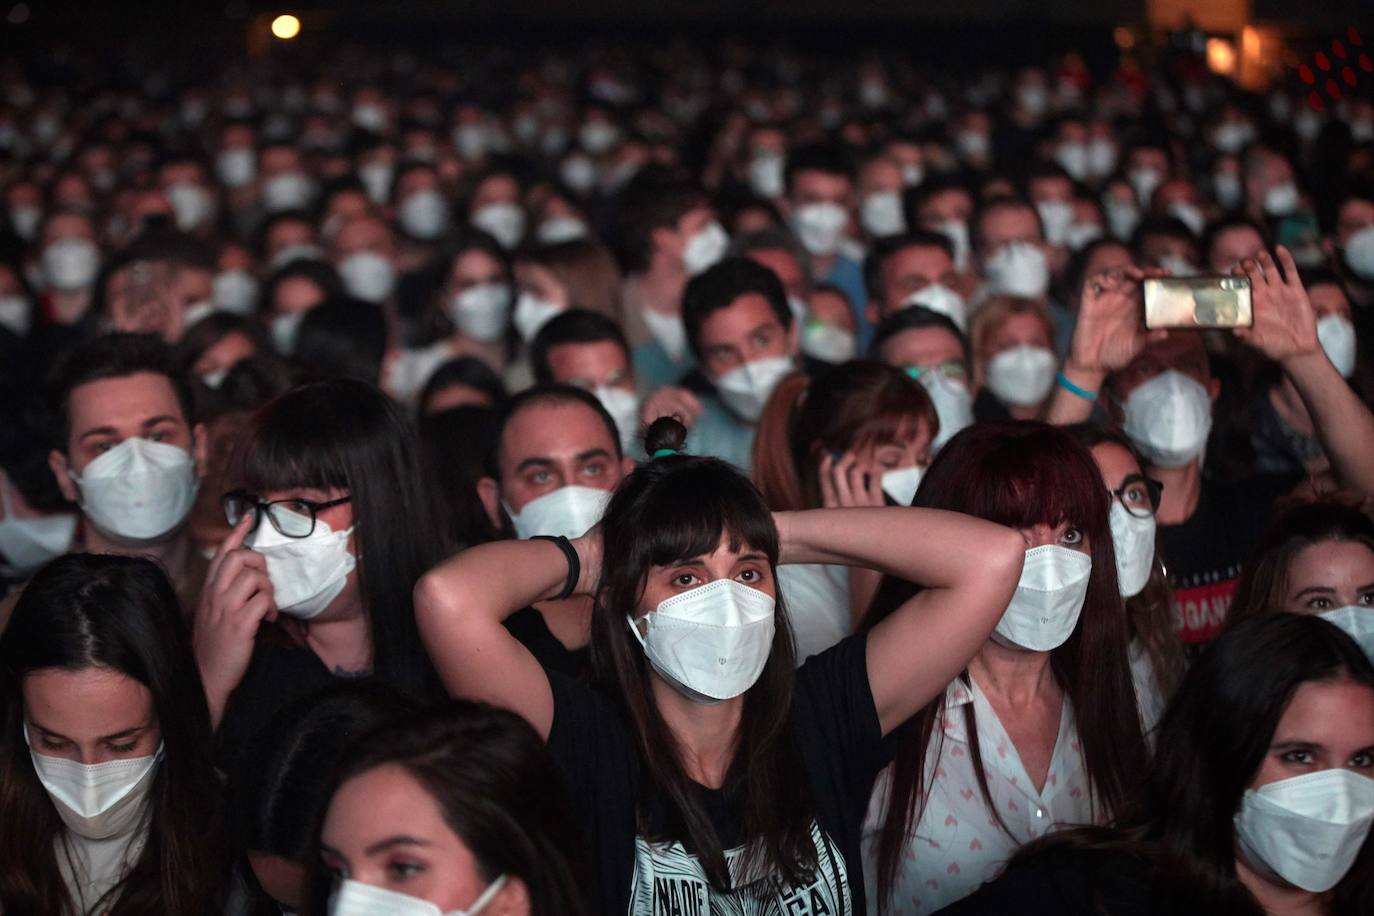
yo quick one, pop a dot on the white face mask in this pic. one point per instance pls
(973, 144)
(357, 899)
(287, 191)
(953, 404)
(1122, 217)
(1023, 375)
(1359, 253)
(1073, 158)
(368, 275)
(1307, 829)
(71, 263)
(1048, 600)
(376, 179)
(1282, 199)
(408, 371)
(28, 543)
(957, 232)
(900, 484)
(579, 173)
(1358, 622)
(26, 221)
(557, 229)
(598, 137)
(285, 329)
(941, 300)
(820, 227)
(97, 800)
(1226, 186)
(568, 512)
(139, 490)
(1056, 216)
(480, 312)
(532, 313)
(828, 343)
(1188, 215)
(306, 573)
(1232, 136)
(746, 388)
(712, 642)
(704, 249)
(423, 214)
(471, 140)
(881, 215)
(1177, 265)
(1337, 337)
(1133, 539)
(505, 222)
(15, 315)
(1019, 269)
(195, 311)
(1145, 180)
(1168, 419)
(215, 378)
(669, 331)
(192, 205)
(623, 406)
(236, 168)
(301, 251)
(234, 291)
(767, 174)
(1081, 235)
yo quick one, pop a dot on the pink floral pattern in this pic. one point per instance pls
(958, 843)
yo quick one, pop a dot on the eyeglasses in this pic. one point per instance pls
(1139, 495)
(950, 370)
(293, 518)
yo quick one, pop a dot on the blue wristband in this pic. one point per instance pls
(1070, 387)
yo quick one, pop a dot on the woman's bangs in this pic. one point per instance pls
(284, 452)
(698, 510)
(1035, 480)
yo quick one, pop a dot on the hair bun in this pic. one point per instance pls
(665, 433)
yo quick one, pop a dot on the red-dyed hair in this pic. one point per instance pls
(1022, 474)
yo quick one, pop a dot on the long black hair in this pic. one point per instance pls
(120, 613)
(347, 434)
(497, 788)
(669, 509)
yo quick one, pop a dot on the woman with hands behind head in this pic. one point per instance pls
(707, 768)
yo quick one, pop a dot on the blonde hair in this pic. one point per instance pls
(586, 269)
(989, 317)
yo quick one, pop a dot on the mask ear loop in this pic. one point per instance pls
(487, 896)
(633, 624)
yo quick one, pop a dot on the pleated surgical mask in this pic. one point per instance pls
(97, 800)
(1307, 829)
(1133, 540)
(306, 573)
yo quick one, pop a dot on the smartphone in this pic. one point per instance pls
(1198, 302)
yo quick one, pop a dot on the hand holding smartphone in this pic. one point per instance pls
(1198, 302)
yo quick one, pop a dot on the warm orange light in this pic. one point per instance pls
(1123, 38)
(286, 27)
(1221, 56)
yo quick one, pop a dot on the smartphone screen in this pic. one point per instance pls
(1198, 302)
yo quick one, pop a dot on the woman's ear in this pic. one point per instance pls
(512, 900)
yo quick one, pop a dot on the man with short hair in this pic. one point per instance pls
(914, 269)
(820, 205)
(587, 350)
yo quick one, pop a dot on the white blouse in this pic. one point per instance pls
(817, 599)
(958, 845)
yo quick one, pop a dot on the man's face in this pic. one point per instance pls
(546, 447)
(911, 269)
(1232, 246)
(1354, 214)
(789, 270)
(103, 413)
(946, 206)
(1181, 351)
(363, 234)
(288, 233)
(1004, 225)
(926, 349)
(878, 175)
(599, 364)
(811, 186)
(1329, 299)
(1050, 187)
(279, 160)
(744, 331)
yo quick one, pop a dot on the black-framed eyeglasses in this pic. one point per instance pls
(1139, 495)
(293, 518)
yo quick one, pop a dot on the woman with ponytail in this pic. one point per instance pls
(859, 434)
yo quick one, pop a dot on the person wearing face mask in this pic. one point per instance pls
(691, 639)
(325, 475)
(1316, 558)
(880, 197)
(127, 452)
(1148, 165)
(580, 273)
(1159, 385)
(914, 269)
(657, 223)
(827, 337)
(588, 350)
(1232, 819)
(471, 792)
(1010, 246)
(68, 264)
(1045, 705)
(290, 292)
(742, 333)
(929, 348)
(1013, 358)
(110, 802)
(471, 310)
(1350, 245)
(364, 255)
(495, 208)
(556, 460)
(819, 202)
(945, 205)
(36, 522)
(1156, 653)
(858, 435)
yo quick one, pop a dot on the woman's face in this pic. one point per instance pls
(474, 267)
(744, 564)
(225, 353)
(1017, 330)
(296, 294)
(1064, 535)
(1329, 575)
(338, 518)
(910, 448)
(384, 829)
(539, 281)
(1328, 724)
(92, 715)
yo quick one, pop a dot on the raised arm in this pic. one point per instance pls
(1285, 330)
(460, 607)
(968, 567)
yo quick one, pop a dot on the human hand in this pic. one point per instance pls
(1285, 324)
(848, 482)
(671, 401)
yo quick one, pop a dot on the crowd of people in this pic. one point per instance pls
(695, 480)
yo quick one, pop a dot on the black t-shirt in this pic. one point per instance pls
(529, 626)
(1203, 556)
(1066, 882)
(835, 726)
